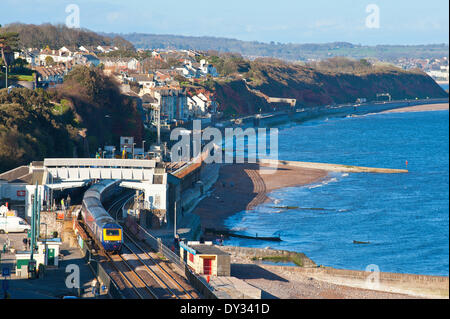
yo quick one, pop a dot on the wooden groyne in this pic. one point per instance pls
(333, 167)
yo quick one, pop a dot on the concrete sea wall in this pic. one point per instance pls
(305, 114)
(260, 253)
(411, 284)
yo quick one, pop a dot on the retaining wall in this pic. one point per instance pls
(416, 285)
(250, 252)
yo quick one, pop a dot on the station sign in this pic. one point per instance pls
(21, 193)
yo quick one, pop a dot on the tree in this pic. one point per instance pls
(49, 60)
(8, 44)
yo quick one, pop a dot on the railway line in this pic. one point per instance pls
(169, 279)
(138, 273)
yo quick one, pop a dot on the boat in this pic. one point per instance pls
(361, 242)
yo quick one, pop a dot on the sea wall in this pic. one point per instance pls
(309, 113)
(259, 253)
(416, 285)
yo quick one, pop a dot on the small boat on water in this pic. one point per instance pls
(361, 242)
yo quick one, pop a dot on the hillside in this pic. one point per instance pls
(312, 86)
(288, 51)
(56, 36)
(29, 130)
(85, 113)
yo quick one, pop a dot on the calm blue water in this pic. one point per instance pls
(403, 216)
(444, 86)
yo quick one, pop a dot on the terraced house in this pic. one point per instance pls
(172, 103)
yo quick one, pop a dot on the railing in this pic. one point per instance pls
(198, 282)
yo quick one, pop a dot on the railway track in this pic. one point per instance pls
(138, 273)
(131, 282)
(172, 284)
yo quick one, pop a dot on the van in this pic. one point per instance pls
(13, 224)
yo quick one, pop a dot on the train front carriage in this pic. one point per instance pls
(112, 237)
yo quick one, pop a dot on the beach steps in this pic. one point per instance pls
(332, 167)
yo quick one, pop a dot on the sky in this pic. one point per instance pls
(367, 22)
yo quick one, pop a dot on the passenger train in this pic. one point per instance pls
(102, 226)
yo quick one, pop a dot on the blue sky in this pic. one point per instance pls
(307, 21)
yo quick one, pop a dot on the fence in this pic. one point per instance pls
(100, 273)
(196, 281)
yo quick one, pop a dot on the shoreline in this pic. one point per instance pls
(256, 194)
(251, 188)
(242, 187)
(420, 108)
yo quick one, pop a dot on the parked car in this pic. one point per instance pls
(13, 225)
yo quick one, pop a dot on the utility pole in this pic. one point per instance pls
(38, 234)
(158, 125)
(175, 220)
(33, 222)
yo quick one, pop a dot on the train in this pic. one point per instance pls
(105, 230)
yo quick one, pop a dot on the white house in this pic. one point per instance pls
(207, 68)
(106, 49)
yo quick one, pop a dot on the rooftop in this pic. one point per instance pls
(207, 249)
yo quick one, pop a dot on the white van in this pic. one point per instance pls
(13, 224)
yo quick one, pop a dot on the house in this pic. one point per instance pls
(68, 50)
(88, 49)
(206, 259)
(171, 102)
(201, 104)
(120, 64)
(106, 49)
(64, 55)
(50, 76)
(163, 76)
(30, 55)
(86, 59)
(150, 107)
(127, 143)
(146, 80)
(207, 68)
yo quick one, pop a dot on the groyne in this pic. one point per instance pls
(332, 167)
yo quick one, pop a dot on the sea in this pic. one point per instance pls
(444, 86)
(402, 219)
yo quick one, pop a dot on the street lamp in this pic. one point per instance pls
(133, 149)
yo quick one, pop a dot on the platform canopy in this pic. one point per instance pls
(66, 185)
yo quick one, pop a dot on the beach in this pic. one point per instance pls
(420, 108)
(242, 187)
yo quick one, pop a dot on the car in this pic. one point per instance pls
(13, 224)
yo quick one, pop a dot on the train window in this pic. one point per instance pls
(112, 232)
